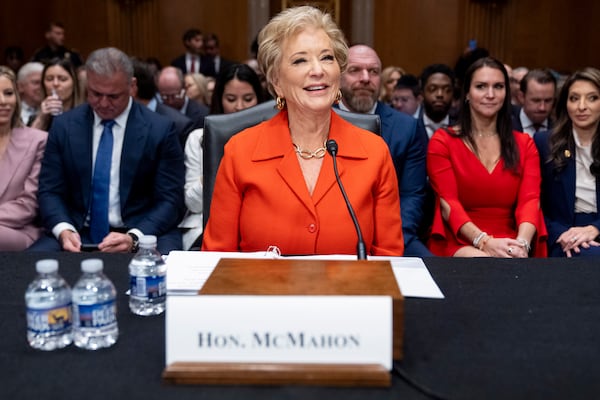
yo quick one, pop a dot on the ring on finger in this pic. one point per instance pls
(510, 250)
(574, 239)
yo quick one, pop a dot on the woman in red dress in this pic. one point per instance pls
(486, 177)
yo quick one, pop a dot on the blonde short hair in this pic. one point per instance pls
(289, 23)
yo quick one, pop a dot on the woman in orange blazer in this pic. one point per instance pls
(276, 185)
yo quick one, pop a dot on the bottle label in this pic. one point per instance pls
(147, 287)
(51, 320)
(97, 315)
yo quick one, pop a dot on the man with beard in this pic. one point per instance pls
(360, 85)
(437, 83)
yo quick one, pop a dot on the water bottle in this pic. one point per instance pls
(94, 308)
(59, 109)
(48, 300)
(147, 272)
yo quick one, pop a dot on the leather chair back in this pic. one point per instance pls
(218, 129)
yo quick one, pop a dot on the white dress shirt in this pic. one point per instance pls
(585, 182)
(188, 62)
(27, 112)
(432, 126)
(528, 126)
(193, 188)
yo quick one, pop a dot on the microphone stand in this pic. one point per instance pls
(361, 250)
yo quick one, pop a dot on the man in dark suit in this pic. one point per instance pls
(55, 36)
(537, 94)
(360, 86)
(213, 50)
(437, 85)
(145, 93)
(112, 170)
(194, 60)
(171, 89)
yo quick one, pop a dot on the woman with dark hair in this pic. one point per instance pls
(486, 176)
(60, 90)
(570, 160)
(237, 88)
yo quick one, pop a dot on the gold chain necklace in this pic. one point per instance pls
(486, 134)
(307, 154)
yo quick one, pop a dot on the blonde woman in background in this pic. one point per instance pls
(195, 87)
(21, 151)
(389, 78)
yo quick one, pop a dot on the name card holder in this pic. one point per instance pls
(300, 278)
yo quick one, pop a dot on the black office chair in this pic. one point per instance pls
(218, 129)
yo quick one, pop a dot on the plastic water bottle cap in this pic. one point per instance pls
(46, 266)
(92, 265)
(148, 240)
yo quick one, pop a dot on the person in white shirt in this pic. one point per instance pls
(437, 83)
(570, 161)
(29, 83)
(537, 94)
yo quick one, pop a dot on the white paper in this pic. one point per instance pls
(280, 329)
(413, 277)
(188, 270)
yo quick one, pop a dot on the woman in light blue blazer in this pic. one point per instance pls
(570, 161)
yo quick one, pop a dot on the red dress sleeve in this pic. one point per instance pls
(443, 181)
(528, 202)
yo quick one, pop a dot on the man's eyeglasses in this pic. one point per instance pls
(177, 96)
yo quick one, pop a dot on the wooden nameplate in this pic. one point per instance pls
(275, 374)
(297, 277)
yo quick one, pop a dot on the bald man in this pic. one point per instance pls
(171, 92)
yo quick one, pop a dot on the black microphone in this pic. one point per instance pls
(361, 251)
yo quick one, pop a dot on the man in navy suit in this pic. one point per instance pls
(537, 94)
(360, 86)
(144, 192)
(437, 85)
(213, 50)
(194, 60)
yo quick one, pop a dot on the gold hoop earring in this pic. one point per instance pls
(338, 97)
(280, 103)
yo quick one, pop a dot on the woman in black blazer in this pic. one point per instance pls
(570, 161)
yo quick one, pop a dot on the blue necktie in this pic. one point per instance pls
(99, 227)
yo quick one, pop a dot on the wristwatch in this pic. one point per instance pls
(135, 242)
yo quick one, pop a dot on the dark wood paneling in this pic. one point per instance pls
(412, 34)
(555, 33)
(228, 19)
